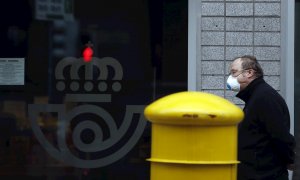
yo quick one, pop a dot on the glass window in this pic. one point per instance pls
(75, 77)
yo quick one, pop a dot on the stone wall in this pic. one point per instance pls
(231, 28)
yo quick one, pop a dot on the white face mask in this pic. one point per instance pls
(233, 84)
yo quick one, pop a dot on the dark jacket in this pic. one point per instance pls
(265, 146)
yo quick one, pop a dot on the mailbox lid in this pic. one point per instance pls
(193, 107)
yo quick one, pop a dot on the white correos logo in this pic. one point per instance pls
(116, 132)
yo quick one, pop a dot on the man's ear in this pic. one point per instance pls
(251, 73)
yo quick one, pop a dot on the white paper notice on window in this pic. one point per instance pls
(12, 71)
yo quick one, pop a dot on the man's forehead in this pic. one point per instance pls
(236, 64)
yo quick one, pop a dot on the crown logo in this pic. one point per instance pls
(89, 79)
(88, 82)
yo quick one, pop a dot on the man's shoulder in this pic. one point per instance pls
(266, 95)
(266, 92)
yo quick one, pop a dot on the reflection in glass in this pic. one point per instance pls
(86, 107)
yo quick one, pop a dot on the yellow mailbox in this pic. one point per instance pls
(194, 137)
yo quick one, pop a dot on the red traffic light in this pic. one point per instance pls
(87, 54)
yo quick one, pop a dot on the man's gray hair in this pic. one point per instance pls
(250, 62)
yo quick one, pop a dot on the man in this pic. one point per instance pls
(265, 146)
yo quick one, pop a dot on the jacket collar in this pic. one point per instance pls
(246, 93)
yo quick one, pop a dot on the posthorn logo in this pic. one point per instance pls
(88, 92)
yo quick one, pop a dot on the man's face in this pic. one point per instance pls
(241, 74)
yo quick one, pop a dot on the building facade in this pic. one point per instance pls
(75, 76)
(267, 29)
